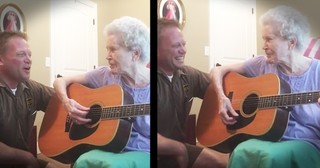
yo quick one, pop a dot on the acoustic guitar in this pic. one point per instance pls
(110, 128)
(263, 113)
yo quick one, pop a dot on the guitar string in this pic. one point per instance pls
(255, 99)
(269, 100)
(97, 111)
(281, 100)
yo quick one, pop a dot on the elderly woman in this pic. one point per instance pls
(128, 53)
(285, 33)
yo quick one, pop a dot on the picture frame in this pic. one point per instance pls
(172, 9)
(12, 18)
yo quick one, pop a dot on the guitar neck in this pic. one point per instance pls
(125, 111)
(288, 99)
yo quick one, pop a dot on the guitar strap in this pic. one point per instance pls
(186, 92)
(187, 96)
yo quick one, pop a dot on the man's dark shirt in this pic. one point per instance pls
(175, 99)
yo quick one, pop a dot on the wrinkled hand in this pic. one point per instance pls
(227, 113)
(76, 111)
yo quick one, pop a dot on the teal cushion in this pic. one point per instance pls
(102, 159)
(264, 154)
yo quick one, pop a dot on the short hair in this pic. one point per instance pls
(133, 33)
(164, 23)
(6, 36)
(289, 23)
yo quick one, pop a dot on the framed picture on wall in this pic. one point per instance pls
(11, 18)
(172, 9)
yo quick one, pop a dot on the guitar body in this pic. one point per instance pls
(267, 124)
(61, 139)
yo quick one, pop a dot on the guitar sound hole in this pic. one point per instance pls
(250, 104)
(94, 114)
(81, 131)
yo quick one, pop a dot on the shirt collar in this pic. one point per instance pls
(176, 74)
(21, 86)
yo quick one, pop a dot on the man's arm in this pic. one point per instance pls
(177, 149)
(227, 113)
(14, 156)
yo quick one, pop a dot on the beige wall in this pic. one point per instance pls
(196, 34)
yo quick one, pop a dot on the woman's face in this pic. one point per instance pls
(119, 57)
(276, 48)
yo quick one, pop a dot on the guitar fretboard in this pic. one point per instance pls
(125, 111)
(288, 99)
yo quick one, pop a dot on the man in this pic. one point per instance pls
(20, 99)
(285, 33)
(177, 85)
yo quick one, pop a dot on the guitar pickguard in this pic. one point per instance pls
(78, 132)
(241, 122)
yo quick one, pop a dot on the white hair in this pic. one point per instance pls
(289, 23)
(133, 33)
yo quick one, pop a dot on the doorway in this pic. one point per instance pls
(73, 37)
(233, 36)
